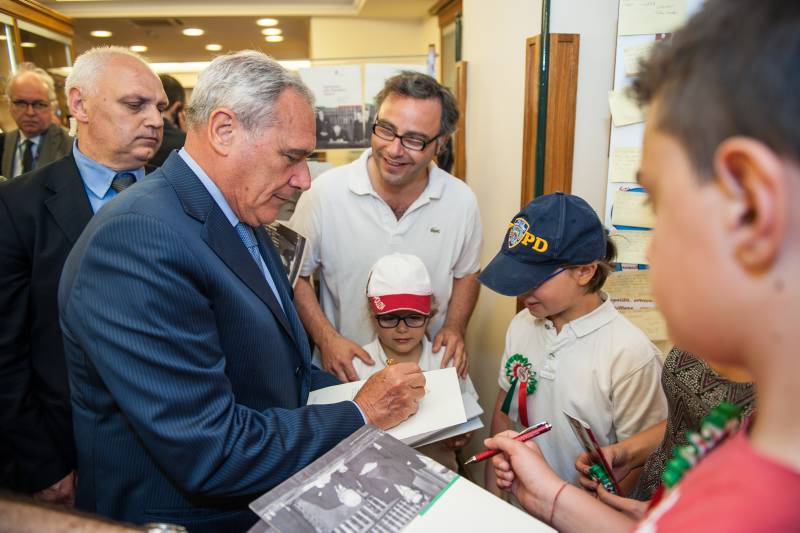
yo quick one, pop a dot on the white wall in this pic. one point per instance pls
(596, 22)
(333, 37)
(493, 45)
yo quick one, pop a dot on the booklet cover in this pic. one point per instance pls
(290, 245)
(585, 435)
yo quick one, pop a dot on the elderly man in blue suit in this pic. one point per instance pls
(189, 367)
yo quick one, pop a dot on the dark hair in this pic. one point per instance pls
(605, 266)
(734, 69)
(173, 88)
(418, 85)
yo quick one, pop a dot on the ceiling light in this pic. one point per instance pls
(213, 47)
(193, 32)
(138, 48)
(273, 38)
(100, 33)
(271, 31)
(27, 45)
(267, 22)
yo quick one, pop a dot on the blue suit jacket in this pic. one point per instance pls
(188, 386)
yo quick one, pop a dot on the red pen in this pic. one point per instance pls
(526, 435)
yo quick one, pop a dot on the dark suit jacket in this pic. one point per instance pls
(41, 216)
(173, 140)
(56, 144)
(188, 384)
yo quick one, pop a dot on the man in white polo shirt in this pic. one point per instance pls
(392, 199)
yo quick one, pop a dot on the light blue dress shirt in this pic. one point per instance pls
(97, 178)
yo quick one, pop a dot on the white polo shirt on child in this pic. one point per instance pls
(600, 368)
(427, 361)
(349, 227)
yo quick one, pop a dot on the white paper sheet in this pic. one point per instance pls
(464, 506)
(472, 409)
(440, 408)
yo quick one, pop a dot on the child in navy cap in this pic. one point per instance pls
(569, 350)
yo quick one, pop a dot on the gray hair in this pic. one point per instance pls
(421, 86)
(90, 64)
(246, 82)
(30, 68)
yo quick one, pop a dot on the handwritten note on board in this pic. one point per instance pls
(632, 246)
(642, 17)
(630, 290)
(625, 164)
(624, 109)
(632, 209)
(650, 321)
(633, 54)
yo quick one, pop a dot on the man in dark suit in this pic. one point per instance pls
(37, 142)
(174, 120)
(189, 368)
(116, 99)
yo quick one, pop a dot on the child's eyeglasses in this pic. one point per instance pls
(411, 321)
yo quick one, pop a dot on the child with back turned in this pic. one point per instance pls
(400, 299)
(569, 350)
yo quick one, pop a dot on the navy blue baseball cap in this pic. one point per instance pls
(551, 232)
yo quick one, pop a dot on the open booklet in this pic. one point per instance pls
(442, 412)
(372, 482)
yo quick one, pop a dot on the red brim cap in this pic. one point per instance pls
(421, 303)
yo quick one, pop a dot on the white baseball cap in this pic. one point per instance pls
(399, 282)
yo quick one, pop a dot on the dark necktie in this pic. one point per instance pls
(122, 181)
(27, 156)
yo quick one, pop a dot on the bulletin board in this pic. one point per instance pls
(641, 24)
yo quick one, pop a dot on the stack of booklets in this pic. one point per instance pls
(443, 412)
(373, 482)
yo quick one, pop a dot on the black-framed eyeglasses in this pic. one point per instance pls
(391, 321)
(37, 105)
(412, 142)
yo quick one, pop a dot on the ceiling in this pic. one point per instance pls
(157, 24)
(166, 43)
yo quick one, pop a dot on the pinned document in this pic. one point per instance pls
(633, 55)
(624, 109)
(643, 17)
(625, 164)
(632, 245)
(632, 208)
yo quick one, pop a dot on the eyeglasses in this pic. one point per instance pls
(392, 321)
(22, 105)
(411, 142)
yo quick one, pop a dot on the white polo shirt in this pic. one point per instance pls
(427, 361)
(349, 227)
(600, 368)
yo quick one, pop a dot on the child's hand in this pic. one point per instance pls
(458, 442)
(615, 455)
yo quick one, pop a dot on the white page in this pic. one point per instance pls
(465, 506)
(473, 424)
(440, 408)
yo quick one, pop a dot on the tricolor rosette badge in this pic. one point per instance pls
(522, 376)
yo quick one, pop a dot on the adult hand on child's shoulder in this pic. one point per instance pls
(453, 342)
(392, 395)
(337, 355)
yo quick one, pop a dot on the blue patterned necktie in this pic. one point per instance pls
(300, 335)
(249, 242)
(122, 181)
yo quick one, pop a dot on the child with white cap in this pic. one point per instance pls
(401, 304)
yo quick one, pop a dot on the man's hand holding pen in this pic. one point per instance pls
(392, 395)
